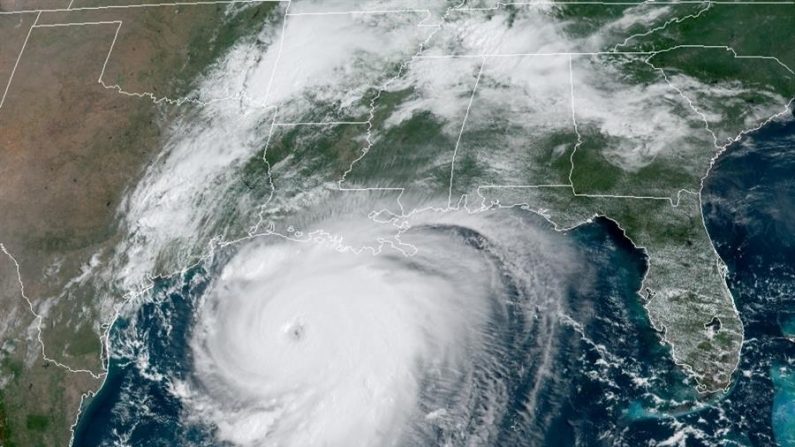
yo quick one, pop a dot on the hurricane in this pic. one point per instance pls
(322, 339)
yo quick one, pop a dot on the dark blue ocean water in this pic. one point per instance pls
(613, 383)
(134, 406)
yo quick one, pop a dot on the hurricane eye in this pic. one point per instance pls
(295, 331)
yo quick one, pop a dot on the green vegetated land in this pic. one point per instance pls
(684, 289)
(680, 254)
(749, 29)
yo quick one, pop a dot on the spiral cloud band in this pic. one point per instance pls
(317, 343)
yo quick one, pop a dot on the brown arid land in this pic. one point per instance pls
(69, 148)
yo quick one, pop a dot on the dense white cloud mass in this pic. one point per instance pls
(321, 342)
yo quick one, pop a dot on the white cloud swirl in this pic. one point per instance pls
(317, 343)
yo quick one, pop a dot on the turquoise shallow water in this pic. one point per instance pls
(788, 324)
(783, 377)
(613, 383)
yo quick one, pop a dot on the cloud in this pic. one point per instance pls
(323, 60)
(315, 341)
(326, 66)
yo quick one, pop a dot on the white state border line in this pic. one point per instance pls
(321, 123)
(119, 24)
(461, 132)
(154, 98)
(278, 59)
(360, 12)
(64, 25)
(19, 57)
(665, 25)
(40, 321)
(574, 124)
(608, 53)
(69, 8)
